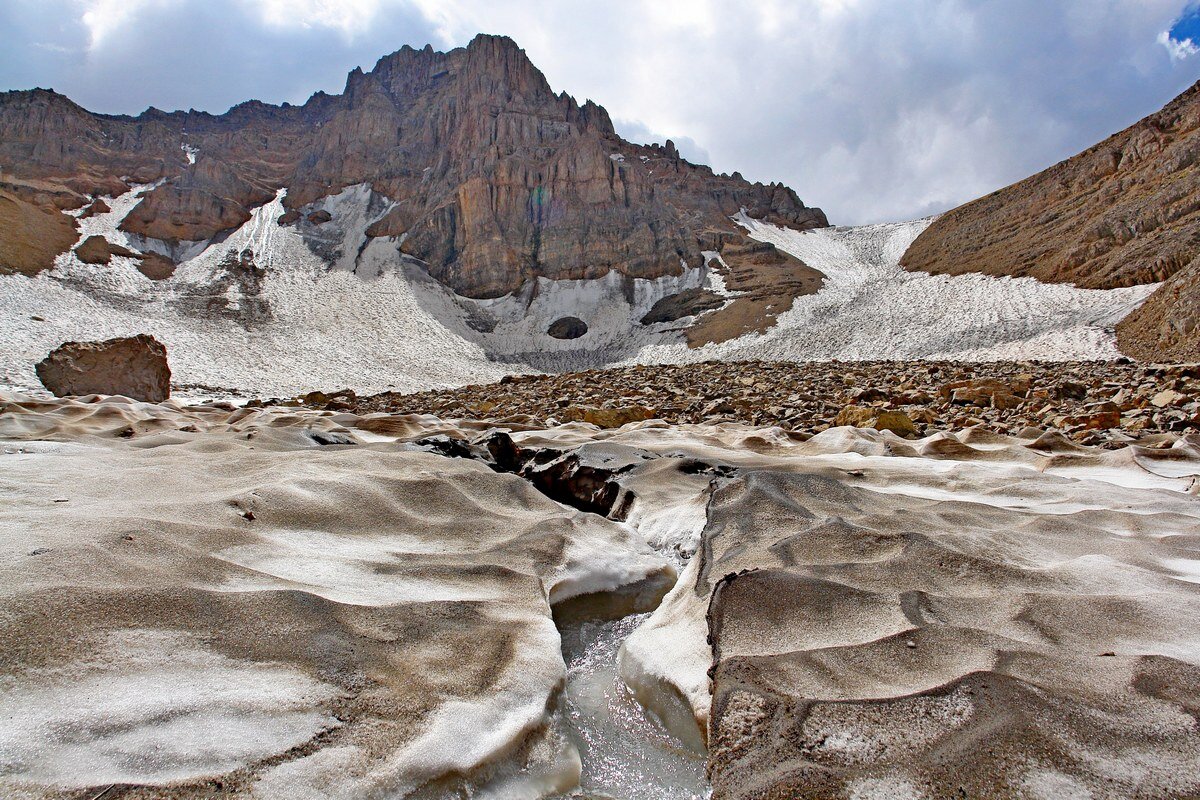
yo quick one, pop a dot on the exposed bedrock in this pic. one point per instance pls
(33, 231)
(1166, 326)
(688, 303)
(1122, 213)
(492, 179)
(567, 328)
(98, 250)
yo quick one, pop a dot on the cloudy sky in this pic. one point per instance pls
(872, 109)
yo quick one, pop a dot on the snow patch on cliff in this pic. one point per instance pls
(871, 308)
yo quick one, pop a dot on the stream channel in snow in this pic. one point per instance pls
(626, 753)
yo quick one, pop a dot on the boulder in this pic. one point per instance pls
(985, 393)
(135, 367)
(896, 422)
(1070, 390)
(856, 416)
(881, 420)
(98, 250)
(1167, 397)
(608, 417)
(1097, 416)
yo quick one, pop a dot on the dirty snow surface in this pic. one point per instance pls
(283, 603)
(280, 310)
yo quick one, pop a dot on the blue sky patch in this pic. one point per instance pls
(1188, 25)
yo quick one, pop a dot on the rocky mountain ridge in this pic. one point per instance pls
(487, 178)
(1123, 213)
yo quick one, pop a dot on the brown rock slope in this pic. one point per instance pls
(32, 233)
(1122, 213)
(494, 178)
(1167, 326)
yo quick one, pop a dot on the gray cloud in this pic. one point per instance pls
(871, 109)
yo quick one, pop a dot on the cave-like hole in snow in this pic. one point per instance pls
(567, 328)
(627, 754)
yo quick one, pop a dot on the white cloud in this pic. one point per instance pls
(105, 17)
(350, 17)
(1178, 50)
(872, 109)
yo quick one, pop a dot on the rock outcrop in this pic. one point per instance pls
(491, 177)
(135, 367)
(32, 232)
(98, 250)
(1123, 213)
(1167, 326)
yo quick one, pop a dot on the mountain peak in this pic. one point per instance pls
(488, 177)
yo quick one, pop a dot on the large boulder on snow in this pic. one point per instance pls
(134, 366)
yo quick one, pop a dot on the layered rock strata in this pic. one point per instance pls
(1122, 213)
(485, 176)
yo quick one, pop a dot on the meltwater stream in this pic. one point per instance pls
(626, 753)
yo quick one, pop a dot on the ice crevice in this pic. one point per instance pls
(636, 698)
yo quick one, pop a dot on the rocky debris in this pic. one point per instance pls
(567, 328)
(585, 477)
(985, 393)
(1122, 213)
(1096, 416)
(494, 179)
(319, 217)
(1090, 402)
(234, 292)
(135, 367)
(98, 250)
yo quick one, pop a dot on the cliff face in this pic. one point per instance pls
(1123, 213)
(492, 178)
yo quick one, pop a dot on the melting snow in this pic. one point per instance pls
(342, 309)
(871, 308)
